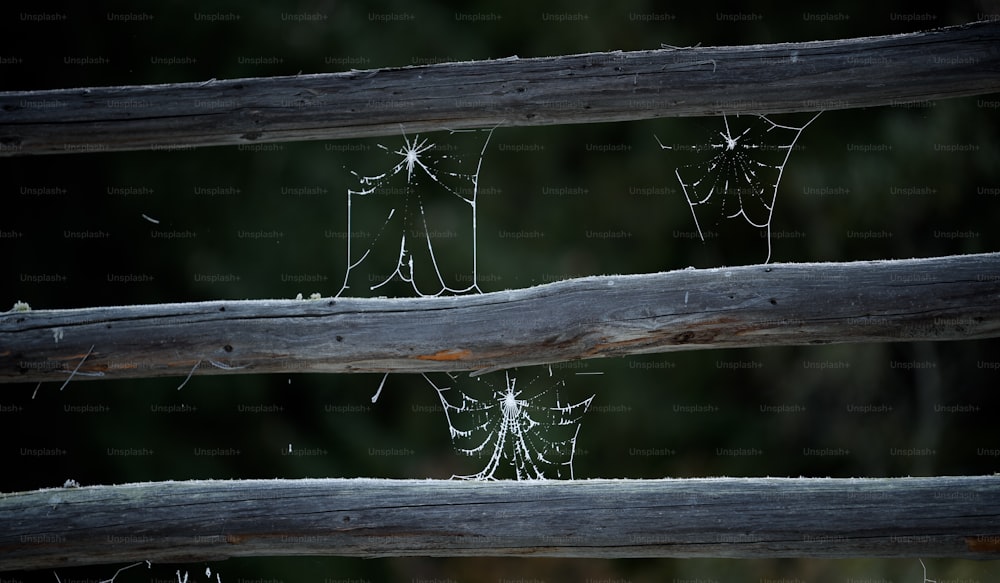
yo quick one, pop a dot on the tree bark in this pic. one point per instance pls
(715, 517)
(942, 298)
(597, 87)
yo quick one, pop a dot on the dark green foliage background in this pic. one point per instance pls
(641, 425)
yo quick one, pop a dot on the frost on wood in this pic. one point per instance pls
(413, 226)
(523, 427)
(740, 179)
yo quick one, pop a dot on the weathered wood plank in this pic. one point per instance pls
(942, 298)
(720, 517)
(597, 87)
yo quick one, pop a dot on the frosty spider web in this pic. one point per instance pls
(417, 214)
(741, 178)
(521, 426)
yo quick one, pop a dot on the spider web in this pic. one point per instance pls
(740, 179)
(526, 428)
(404, 225)
(416, 216)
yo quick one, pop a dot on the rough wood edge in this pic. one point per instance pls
(940, 298)
(716, 517)
(597, 87)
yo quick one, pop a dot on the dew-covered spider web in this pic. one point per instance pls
(524, 429)
(736, 175)
(412, 221)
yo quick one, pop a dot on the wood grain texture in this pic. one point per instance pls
(597, 87)
(719, 517)
(941, 298)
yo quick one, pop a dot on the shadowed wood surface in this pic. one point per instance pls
(597, 87)
(941, 298)
(719, 517)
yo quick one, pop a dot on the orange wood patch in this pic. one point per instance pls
(445, 355)
(983, 543)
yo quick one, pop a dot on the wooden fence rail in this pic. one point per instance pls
(718, 517)
(597, 87)
(942, 298)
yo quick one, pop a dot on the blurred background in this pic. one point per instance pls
(554, 202)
